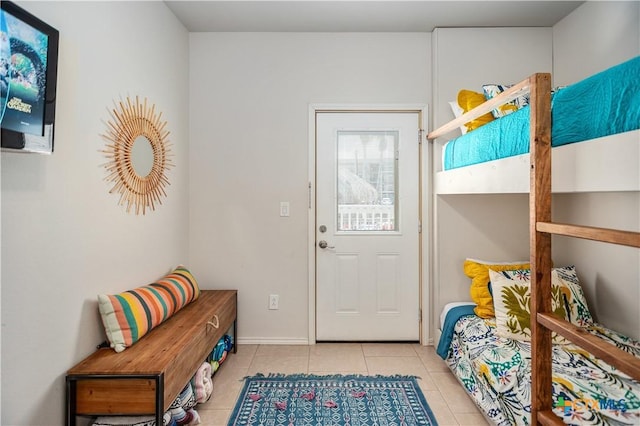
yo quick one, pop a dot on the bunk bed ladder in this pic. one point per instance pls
(541, 228)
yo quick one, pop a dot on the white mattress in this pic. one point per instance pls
(443, 315)
(450, 306)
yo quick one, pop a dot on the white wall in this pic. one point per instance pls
(250, 96)
(64, 237)
(594, 37)
(467, 58)
(488, 227)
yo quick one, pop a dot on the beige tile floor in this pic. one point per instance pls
(448, 401)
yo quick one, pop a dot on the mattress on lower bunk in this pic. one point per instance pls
(604, 104)
(496, 372)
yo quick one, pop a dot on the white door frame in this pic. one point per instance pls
(424, 206)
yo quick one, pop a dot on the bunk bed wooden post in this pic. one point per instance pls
(540, 242)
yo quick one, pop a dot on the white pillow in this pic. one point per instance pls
(457, 112)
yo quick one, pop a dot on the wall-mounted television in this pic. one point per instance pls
(28, 74)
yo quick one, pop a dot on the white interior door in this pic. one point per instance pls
(367, 225)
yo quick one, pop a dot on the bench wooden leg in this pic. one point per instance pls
(159, 399)
(70, 414)
(235, 336)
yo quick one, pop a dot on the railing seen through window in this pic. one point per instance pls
(367, 180)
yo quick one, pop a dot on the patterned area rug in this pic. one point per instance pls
(331, 400)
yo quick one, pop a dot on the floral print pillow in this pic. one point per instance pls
(493, 90)
(578, 312)
(512, 298)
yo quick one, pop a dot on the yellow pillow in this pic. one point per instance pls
(468, 100)
(478, 271)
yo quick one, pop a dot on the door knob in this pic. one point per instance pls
(323, 244)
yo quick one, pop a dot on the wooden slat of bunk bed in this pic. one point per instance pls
(508, 95)
(614, 236)
(607, 352)
(549, 418)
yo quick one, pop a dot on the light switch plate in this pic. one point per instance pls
(284, 209)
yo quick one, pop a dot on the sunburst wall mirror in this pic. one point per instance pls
(138, 152)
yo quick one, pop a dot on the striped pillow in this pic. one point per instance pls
(130, 315)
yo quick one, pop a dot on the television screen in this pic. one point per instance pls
(28, 65)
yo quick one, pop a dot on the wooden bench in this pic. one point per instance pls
(147, 377)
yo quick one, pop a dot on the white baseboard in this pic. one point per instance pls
(271, 341)
(289, 341)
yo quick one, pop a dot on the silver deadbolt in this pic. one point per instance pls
(322, 229)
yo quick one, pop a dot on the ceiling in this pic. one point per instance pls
(364, 15)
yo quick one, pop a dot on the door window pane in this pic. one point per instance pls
(367, 180)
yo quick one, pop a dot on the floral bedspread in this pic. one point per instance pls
(496, 372)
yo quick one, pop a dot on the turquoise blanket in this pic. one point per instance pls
(448, 327)
(603, 104)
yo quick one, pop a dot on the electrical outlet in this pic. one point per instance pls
(273, 301)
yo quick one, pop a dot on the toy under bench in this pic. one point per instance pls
(146, 378)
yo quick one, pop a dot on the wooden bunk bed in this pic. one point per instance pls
(541, 227)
